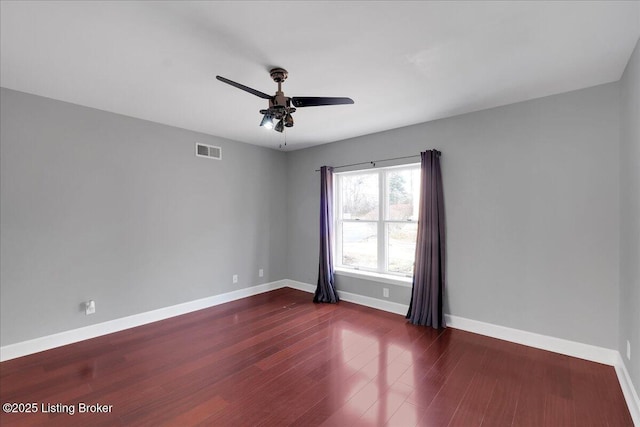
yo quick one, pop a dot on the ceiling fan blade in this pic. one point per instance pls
(314, 101)
(244, 88)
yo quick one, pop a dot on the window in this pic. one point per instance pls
(377, 219)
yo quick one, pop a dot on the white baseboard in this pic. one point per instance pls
(36, 345)
(301, 286)
(557, 345)
(531, 339)
(392, 307)
(629, 392)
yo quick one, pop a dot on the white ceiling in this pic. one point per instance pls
(402, 62)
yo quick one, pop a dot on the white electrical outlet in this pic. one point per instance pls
(235, 278)
(385, 292)
(260, 273)
(90, 307)
(628, 350)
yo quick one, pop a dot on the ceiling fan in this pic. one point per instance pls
(280, 106)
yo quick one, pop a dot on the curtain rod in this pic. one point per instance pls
(373, 162)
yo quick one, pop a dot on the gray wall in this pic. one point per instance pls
(100, 206)
(532, 205)
(97, 205)
(630, 217)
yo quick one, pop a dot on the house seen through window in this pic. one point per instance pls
(377, 219)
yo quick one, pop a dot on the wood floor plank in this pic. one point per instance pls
(473, 406)
(386, 405)
(277, 359)
(501, 408)
(531, 402)
(446, 402)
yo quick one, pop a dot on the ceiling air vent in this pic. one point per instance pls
(204, 150)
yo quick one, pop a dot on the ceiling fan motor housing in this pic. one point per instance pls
(279, 74)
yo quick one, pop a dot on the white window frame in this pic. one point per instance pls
(379, 273)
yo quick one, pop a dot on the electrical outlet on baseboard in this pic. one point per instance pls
(385, 292)
(628, 350)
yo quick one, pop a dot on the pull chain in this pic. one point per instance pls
(285, 140)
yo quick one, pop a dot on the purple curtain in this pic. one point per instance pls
(429, 276)
(326, 291)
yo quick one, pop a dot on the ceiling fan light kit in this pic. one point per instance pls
(267, 122)
(288, 121)
(280, 108)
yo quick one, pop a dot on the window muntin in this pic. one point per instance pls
(376, 219)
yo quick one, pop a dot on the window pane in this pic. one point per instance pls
(360, 244)
(401, 239)
(402, 195)
(360, 196)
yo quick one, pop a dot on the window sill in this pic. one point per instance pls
(376, 277)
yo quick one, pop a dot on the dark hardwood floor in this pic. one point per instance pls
(278, 359)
